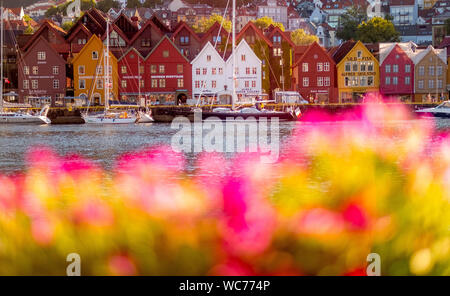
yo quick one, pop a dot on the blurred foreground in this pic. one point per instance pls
(319, 211)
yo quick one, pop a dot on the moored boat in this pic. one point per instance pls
(442, 110)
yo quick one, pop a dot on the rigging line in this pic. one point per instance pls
(270, 67)
(93, 84)
(221, 23)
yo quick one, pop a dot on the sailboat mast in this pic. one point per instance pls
(1, 56)
(233, 46)
(106, 79)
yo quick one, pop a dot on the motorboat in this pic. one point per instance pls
(109, 118)
(26, 118)
(442, 110)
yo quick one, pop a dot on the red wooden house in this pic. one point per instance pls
(168, 74)
(132, 84)
(314, 75)
(187, 40)
(396, 71)
(218, 36)
(127, 25)
(147, 37)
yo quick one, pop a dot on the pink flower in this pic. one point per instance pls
(355, 217)
(232, 267)
(95, 213)
(121, 265)
(42, 231)
(320, 221)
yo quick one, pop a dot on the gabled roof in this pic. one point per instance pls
(160, 24)
(441, 53)
(80, 27)
(445, 44)
(40, 38)
(386, 48)
(113, 27)
(352, 48)
(276, 29)
(309, 48)
(93, 39)
(251, 25)
(182, 25)
(148, 23)
(339, 52)
(243, 43)
(171, 43)
(130, 50)
(207, 46)
(51, 26)
(129, 21)
(215, 26)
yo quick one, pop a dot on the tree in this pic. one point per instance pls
(376, 30)
(28, 31)
(349, 21)
(106, 5)
(205, 24)
(134, 3)
(86, 5)
(67, 25)
(265, 21)
(300, 37)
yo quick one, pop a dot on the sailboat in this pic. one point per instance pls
(108, 117)
(143, 116)
(17, 117)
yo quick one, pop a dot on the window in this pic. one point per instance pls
(326, 67)
(431, 70)
(407, 80)
(243, 57)
(205, 71)
(420, 84)
(146, 42)
(387, 68)
(26, 84)
(421, 70)
(305, 81)
(220, 71)
(363, 67)
(327, 81)
(355, 67)
(81, 41)
(100, 83)
(363, 81)
(213, 71)
(154, 83)
(197, 84)
(26, 70)
(81, 84)
(81, 70)
(319, 81)
(305, 67)
(162, 69)
(254, 70)
(236, 70)
(439, 83)
(99, 70)
(359, 54)
(141, 83)
(395, 80)
(35, 70)
(180, 69)
(95, 55)
(41, 55)
(141, 69)
(123, 69)
(184, 39)
(407, 68)
(55, 83)
(123, 83)
(347, 67)
(180, 82)
(153, 69)
(162, 83)
(347, 81)
(395, 68)
(55, 70)
(165, 53)
(277, 52)
(319, 67)
(370, 80)
(213, 84)
(388, 80)
(247, 70)
(431, 83)
(439, 70)
(355, 81)
(253, 83)
(370, 67)
(34, 84)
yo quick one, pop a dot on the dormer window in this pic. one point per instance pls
(184, 39)
(95, 55)
(276, 39)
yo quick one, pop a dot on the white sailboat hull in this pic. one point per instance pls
(108, 120)
(15, 118)
(145, 118)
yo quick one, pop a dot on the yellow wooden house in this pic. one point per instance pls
(89, 72)
(358, 73)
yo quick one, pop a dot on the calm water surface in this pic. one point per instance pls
(103, 144)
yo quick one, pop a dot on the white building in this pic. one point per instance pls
(278, 12)
(248, 70)
(208, 72)
(211, 74)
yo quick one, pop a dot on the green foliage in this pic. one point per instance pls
(133, 4)
(106, 5)
(205, 24)
(377, 29)
(265, 21)
(349, 21)
(61, 9)
(300, 37)
(28, 31)
(262, 51)
(67, 25)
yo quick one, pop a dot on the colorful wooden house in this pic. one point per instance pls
(42, 75)
(187, 41)
(357, 71)
(168, 74)
(89, 72)
(397, 70)
(430, 75)
(148, 36)
(218, 37)
(314, 75)
(132, 68)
